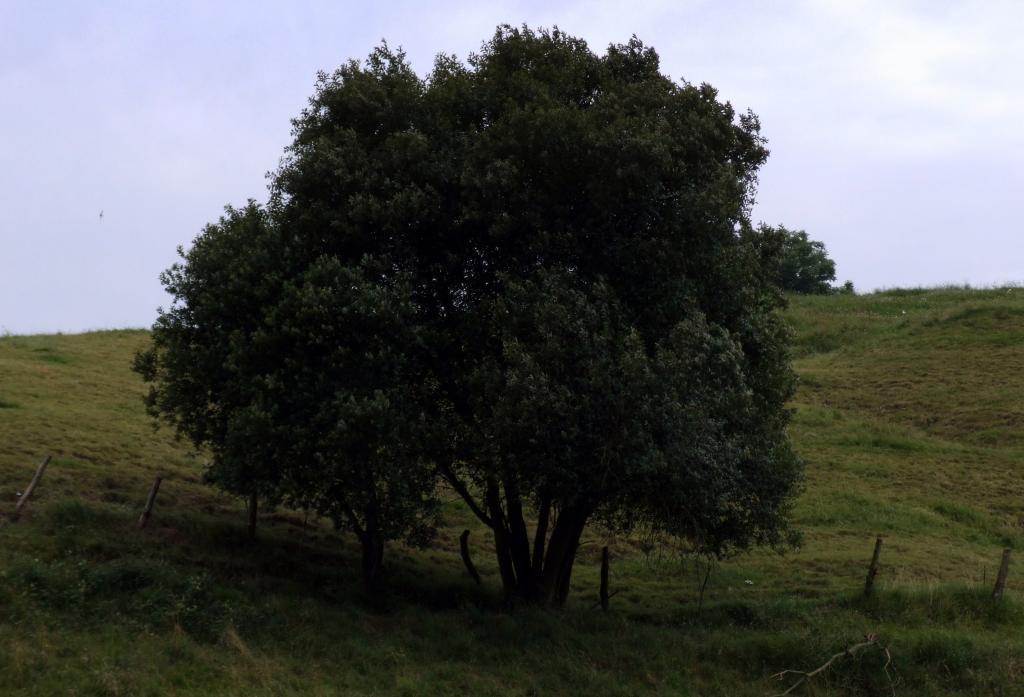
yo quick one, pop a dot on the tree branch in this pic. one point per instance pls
(541, 534)
(462, 491)
(870, 640)
(353, 520)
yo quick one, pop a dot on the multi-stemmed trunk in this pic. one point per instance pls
(538, 571)
(543, 575)
(371, 540)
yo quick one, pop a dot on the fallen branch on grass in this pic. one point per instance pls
(870, 640)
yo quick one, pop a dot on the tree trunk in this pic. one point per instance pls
(373, 560)
(541, 574)
(502, 547)
(466, 559)
(565, 577)
(540, 537)
(372, 540)
(253, 514)
(557, 571)
(604, 578)
(519, 541)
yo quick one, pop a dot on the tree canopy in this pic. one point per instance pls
(804, 265)
(529, 276)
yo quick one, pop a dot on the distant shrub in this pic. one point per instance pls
(804, 265)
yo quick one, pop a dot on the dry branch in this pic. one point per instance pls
(870, 640)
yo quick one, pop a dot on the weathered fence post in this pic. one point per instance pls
(464, 549)
(1004, 569)
(253, 513)
(604, 577)
(31, 487)
(150, 500)
(873, 569)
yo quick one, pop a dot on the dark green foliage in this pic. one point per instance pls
(203, 363)
(805, 266)
(296, 385)
(532, 275)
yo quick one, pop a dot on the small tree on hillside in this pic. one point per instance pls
(804, 264)
(298, 379)
(200, 361)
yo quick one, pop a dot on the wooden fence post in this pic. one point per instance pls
(873, 569)
(31, 487)
(604, 577)
(464, 549)
(150, 500)
(1004, 569)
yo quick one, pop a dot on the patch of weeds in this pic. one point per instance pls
(70, 512)
(48, 355)
(949, 655)
(976, 520)
(69, 519)
(959, 513)
(199, 611)
(886, 441)
(143, 594)
(759, 653)
(945, 605)
(54, 587)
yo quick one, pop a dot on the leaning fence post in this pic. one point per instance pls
(31, 487)
(1004, 569)
(150, 500)
(873, 569)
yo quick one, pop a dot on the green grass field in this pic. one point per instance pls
(910, 417)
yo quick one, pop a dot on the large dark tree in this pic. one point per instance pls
(531, 275)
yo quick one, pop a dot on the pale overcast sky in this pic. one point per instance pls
(896, 128)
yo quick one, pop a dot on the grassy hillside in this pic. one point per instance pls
(910, 416)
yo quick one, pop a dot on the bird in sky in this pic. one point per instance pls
(101, 216)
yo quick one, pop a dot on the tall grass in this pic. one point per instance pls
(909, 417)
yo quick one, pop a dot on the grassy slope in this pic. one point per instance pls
(910, 419)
